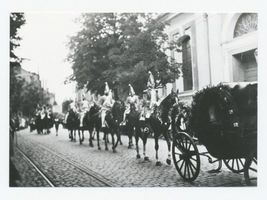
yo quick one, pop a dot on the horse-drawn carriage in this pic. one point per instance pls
(224, 120)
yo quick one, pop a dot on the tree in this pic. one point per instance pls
(24, 95)
(16, 21)
(120, 48)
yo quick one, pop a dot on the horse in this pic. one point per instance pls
(91, 122)
(160, 121)
(139, 129)
(39, 124)
(72, 124)
(113, 118)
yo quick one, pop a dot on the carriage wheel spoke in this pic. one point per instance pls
(180, 168)
(237, 163)
(178, 161)
(193, 166)
(188, 170)
(241, 162)
(186, 144)
(255, 160)
(193, 159)
(252, 169)
(233, 163)
(192, 170)
(189, 146)
(185, 167)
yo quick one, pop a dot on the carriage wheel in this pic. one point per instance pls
(185, 156)
(236, 165)
(251, 169)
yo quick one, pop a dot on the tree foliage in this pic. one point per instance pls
(16, 21)
(24, 95)
(121, 48)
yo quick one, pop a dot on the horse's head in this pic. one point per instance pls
(94, 109)
(171, 99)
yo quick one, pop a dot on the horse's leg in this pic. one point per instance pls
(93, 134)
(98, 143)
(90, 137)
(106, 138)
(82, 135)
(79, 133)
(137, 146)
(167, 138)
(130, 136)
(74, 134)
(113, 141)
(146, 158)
(119, 135)
(158, 163)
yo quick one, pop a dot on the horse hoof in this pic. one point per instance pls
(91, 145)
(129, 147)
(146, 158)
(138, 156)
(106, 149)
(121, 143)
(114, 151)
(99, 148)
(158, 163)
(168, 161)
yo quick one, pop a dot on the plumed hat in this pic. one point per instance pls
(131, 90)
(106, 91)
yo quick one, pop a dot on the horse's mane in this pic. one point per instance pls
(166, 106)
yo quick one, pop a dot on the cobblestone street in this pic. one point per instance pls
(68, 163)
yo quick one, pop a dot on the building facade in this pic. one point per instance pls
(215, 48)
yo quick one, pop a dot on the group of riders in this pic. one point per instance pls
(136, 114)
(106, 102)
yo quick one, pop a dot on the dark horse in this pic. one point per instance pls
(92, 122)
(160, 121)
(137, 128)
(113, 119)
(44, 122)
(72, 124)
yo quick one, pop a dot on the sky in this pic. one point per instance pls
(44, 45)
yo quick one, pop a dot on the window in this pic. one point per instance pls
(187, 64)
(246, 23)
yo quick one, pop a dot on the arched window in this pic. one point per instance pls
(246, 23)
(187, 64)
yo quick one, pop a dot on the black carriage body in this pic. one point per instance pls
(224, 118)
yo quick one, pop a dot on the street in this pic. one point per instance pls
(69, 164)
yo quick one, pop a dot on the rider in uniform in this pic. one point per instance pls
(106, 103)
(131, 99)
(151, 89)
(158, 86)
(72, 107)
(84, 108)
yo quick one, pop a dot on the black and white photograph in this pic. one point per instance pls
(133, 99)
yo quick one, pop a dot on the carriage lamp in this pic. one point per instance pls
(231, 111)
